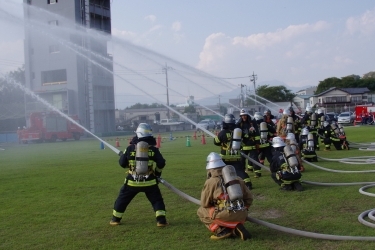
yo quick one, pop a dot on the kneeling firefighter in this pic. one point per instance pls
(284, 166)
(140, 157)
(308, 152)
(231, 140)
(225, 200)
(338, 137)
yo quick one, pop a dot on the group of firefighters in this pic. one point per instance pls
(244, 144)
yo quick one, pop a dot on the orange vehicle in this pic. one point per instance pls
(49, 127)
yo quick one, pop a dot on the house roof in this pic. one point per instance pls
(351, 91)
(354, 91)
(303, 96)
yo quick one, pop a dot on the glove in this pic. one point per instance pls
(157, 174)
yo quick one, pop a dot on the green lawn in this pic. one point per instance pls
(60, 196)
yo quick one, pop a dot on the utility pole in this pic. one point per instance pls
(166, 83)
(241, 96)
(253, 78)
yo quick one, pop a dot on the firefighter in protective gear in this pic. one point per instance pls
(335, 135)
(285, 124)
(310, 120)
(139, 158)
(230, 156)
(225, 201)
(268, 118)
(308, 150)
(265, 148)
(250, 130)
(284, 166)
(291, 140)
(297, 123)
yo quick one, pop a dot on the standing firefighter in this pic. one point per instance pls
(230, 139)
(225, 201)
(284, 166)
(265, 148)
(250, 130)
(311, 121)
(140, 157)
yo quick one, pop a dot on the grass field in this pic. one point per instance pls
(60, 196)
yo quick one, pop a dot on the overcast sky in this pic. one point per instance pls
(298, 43)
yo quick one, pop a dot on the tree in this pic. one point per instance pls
(145, 106)
(350, 81)
(274, 93)
(12, 101)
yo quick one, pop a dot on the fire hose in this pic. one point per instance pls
(274, 226)
(369, 213)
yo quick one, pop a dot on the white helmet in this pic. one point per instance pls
(325, 124)
(319, 111)
(308, 109)
(258, 116)
(304, 131)
(143, 130)
(243, 112)
(277, 142)
(290, 136)
(214, 161)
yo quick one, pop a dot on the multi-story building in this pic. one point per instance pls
(67, 80)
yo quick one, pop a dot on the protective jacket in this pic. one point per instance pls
(250, 133)
(128, 160)
(212, 211)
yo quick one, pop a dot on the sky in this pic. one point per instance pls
(292, 43)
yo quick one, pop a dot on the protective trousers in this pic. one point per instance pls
(127, 193)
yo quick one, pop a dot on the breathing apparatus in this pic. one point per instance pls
(236, 140)
(313, 120)
(141, 162)
(291, 159)
(310, 142)
(289, 124)
(263, 132)
(335, 129)
(231, 186)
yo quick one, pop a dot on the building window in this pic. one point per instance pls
(54, 77)
(54, 48)
(51, 1)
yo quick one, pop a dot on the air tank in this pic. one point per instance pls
(313, 120)
(289, 124)
(141, 158)
(231, 183)
(290, 156)
(263, 131)
(237, 138)
(310, 141)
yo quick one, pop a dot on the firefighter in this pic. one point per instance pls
(308, 149)
(231, 145)
(284, 166)
(265, 148)
(250, 130)
(291, 140)
(285, 125)
(297, 123)
(337, 137)
(268, 118)
(225, 200)
(310, 120)
(142, 176)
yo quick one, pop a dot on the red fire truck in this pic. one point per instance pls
(49, 127)
(366, 108)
